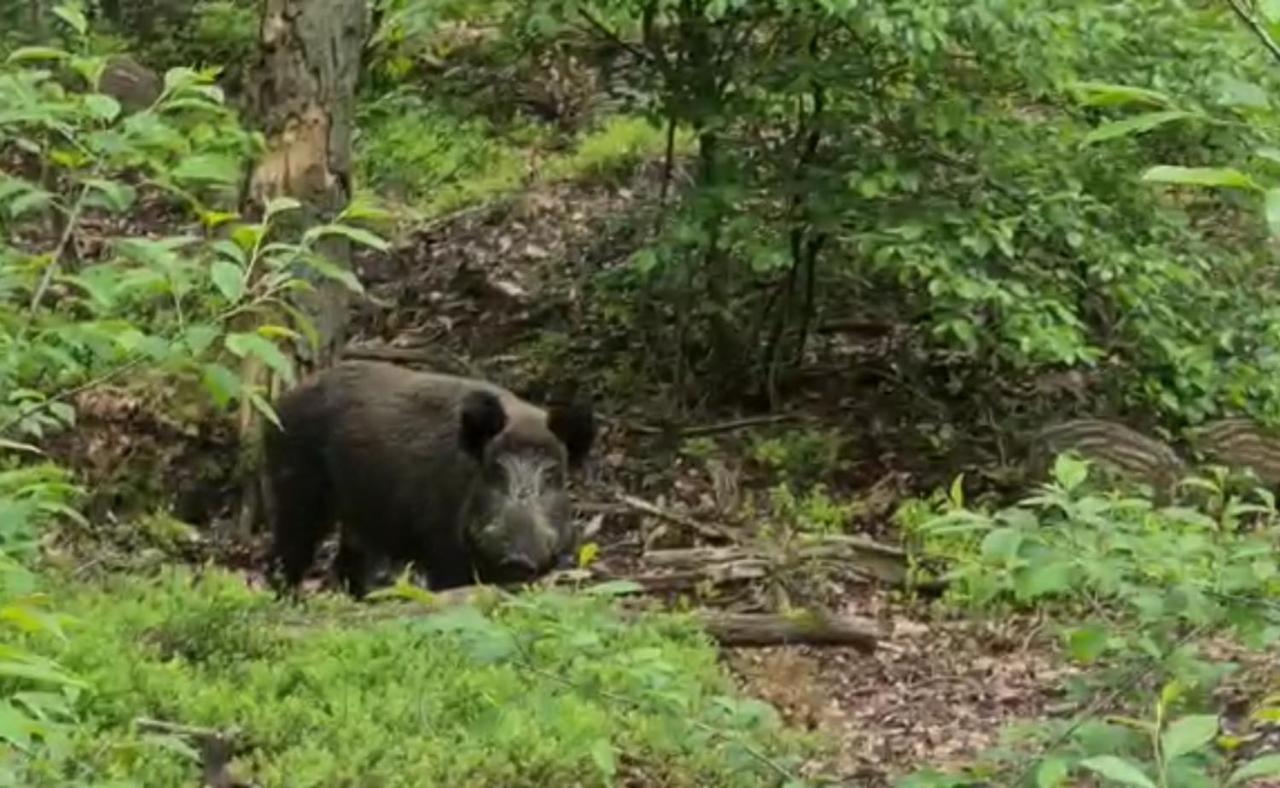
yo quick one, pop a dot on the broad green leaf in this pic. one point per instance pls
(179, 77)
(33, 671)
(221, 383)
(1200, 176)
(331, 270)
(1001, 544)
(102, 106)
(1102, 94)
(199, 336)
(208, 168)
(1087, 643)
(1070, 471)
(229, 280)
(363, 237)
(1039, 580)
(1118, 769)
(72, 16)
(247, 236)
(1052, 773)
(116, 197)
(244, 344)
(22, 54)
(1135, 125)
(1266, 766)
(279, 205)
(1188, 734)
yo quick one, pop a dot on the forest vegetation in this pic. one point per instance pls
(935, 346)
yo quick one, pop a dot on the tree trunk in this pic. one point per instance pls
(304, 96)
(305, 101)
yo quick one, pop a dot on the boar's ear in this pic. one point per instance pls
(575, 426)
(482, 419)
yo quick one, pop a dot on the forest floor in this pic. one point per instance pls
(488, 287)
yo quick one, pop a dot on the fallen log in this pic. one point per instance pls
(745, 630)
(741, 630)
(866, 558)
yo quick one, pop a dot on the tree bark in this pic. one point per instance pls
(304, 98)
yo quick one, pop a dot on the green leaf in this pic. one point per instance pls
(199, 336)
(1273, 211)
(1135, 125)
(22, 54)
(245, 344)
(116, 197)
(602, 756)
(1002, 544)
(1069, 471)
(1200, 176)
(1188, 734)
(1052, 772)
(363, 237)
(102, 106)
(37, 671)
(1102, 94)
(330, 270)
(208, 168)
(229, 280)
(264, 407)
(613, 588)
(179, 77)
(1036, 581)
(1087, 643)
(1118, 769)
(279, 205)
(221, 383)
(1266, 766)
(72, 16)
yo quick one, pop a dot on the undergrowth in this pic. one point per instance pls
(542, 689)
(1140, 597)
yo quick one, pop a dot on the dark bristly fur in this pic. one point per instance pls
(456, 475)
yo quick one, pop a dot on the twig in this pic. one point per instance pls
(1257, 28)
(705, 530)
(705, 429)
(105, 377)
(737, 424)
(73, 218)
(604, 30)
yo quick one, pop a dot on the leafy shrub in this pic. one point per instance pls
(1151, 585)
